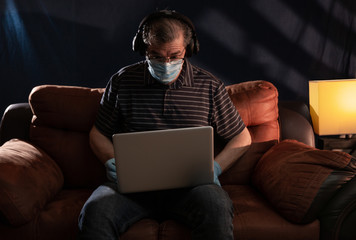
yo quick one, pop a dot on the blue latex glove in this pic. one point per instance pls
(217, 172)
(111, 170)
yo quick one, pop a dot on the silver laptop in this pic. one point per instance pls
(164, 159)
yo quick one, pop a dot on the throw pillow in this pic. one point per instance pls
(29, 178)
(299, 180)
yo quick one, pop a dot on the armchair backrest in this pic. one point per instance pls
(62, 119)
(63, 116)
(257, 103)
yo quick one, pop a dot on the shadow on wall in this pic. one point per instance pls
(285, 42)
(84, 43)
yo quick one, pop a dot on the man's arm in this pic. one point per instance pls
(101, 145)
(234, 149)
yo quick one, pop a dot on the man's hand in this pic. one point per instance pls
(217, 172)
(111, 170)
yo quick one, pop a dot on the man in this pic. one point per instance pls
(164, 91)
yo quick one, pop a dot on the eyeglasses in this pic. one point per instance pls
(164, 59)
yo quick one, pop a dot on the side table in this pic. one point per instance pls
(336, 143)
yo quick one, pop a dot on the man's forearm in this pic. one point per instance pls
(233, 150)
(101, 145)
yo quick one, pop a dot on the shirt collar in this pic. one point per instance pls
(185, 77)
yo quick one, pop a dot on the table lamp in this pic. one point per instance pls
(333, 106)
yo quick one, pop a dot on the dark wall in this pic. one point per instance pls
(83, 42)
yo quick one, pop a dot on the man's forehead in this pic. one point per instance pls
(175, 46)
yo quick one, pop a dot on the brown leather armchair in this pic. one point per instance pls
(281, 189)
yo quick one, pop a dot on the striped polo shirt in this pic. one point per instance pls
(135, 101)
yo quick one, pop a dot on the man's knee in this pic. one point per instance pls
(107, 207)
(211, 196)
(213, 214)
(96, 207)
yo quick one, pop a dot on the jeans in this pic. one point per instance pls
(207, 210)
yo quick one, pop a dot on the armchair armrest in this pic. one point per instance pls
(337, 220)
(15, 122)
(29, 178)
(295, 122)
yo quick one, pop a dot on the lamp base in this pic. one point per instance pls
(345, 143)
(346, 136)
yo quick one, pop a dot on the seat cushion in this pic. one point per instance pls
(151, 229)
(58, 220)
(255, 218)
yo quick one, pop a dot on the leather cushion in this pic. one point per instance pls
(58, 220)
(66, 114)
(151, 229)
(254, 218)
(257, 103)
(241, 171)
(299, 180)
(28, 179)
(65, 107)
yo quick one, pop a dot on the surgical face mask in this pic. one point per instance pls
(165, 72)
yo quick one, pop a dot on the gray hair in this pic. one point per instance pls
(164, 30)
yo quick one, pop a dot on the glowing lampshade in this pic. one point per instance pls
(333, 106)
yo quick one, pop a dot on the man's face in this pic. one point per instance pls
(167, 51)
